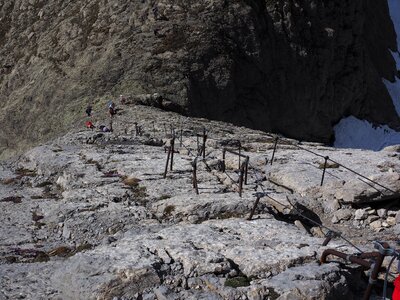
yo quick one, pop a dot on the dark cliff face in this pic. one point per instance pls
(302, 67)
(294, 67)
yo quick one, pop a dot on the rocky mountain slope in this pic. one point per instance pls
(91, 216)
(294, 67)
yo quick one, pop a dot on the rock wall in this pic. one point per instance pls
(294, 67)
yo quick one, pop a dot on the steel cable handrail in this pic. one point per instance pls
(233, 181)
(322, 156)
(337, 233)
(347, 168)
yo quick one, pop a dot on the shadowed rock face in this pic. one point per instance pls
(294, 67)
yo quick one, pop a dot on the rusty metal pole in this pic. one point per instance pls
(323, 173)
(273, 153)
(240, 148)
(241, 174)
(172, 151)
(326, 241)
(223, 160)
(351, 258)
(361, 260)
(204, 143)
(246, 169)
(375, 272)
(194, 179)
(181, 139)
(198, 145)
(254, 208)
(166, 165)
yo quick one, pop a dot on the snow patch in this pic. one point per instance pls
(351, 132)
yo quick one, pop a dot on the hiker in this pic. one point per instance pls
(89, 110)
(90, 125)
(104, 128)
(111, 108)
(122, 99)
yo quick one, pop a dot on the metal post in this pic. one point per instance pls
(166, 165)
(194, 179)
(241, 174)
(172, 151)
(375, 272)
(240, 148)
(273, 153)
(204, 143)
(323, 173)
(181, 131)
(326, 241)
(246, 169)
(223, 160)
(136, 129)
(328, 237)
(254, 208)
(198, 147)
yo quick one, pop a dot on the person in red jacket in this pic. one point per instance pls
(90, 125)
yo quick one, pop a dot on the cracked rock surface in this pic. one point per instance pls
(91, 216)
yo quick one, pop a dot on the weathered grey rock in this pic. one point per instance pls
(113, 227)
(391, 221)
(385, 224)
(207, 248)
(360, 214)
(343, 214)
(376, 225)
(308, 284)
(382, 212)
(66, 233)
(371, 219)
(331, 205)
(291, 171)
(396, 229)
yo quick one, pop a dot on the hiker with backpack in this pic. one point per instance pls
(111, 108)
(89, 125)
(88, 110)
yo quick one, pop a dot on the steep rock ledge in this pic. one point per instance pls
(91, 216)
